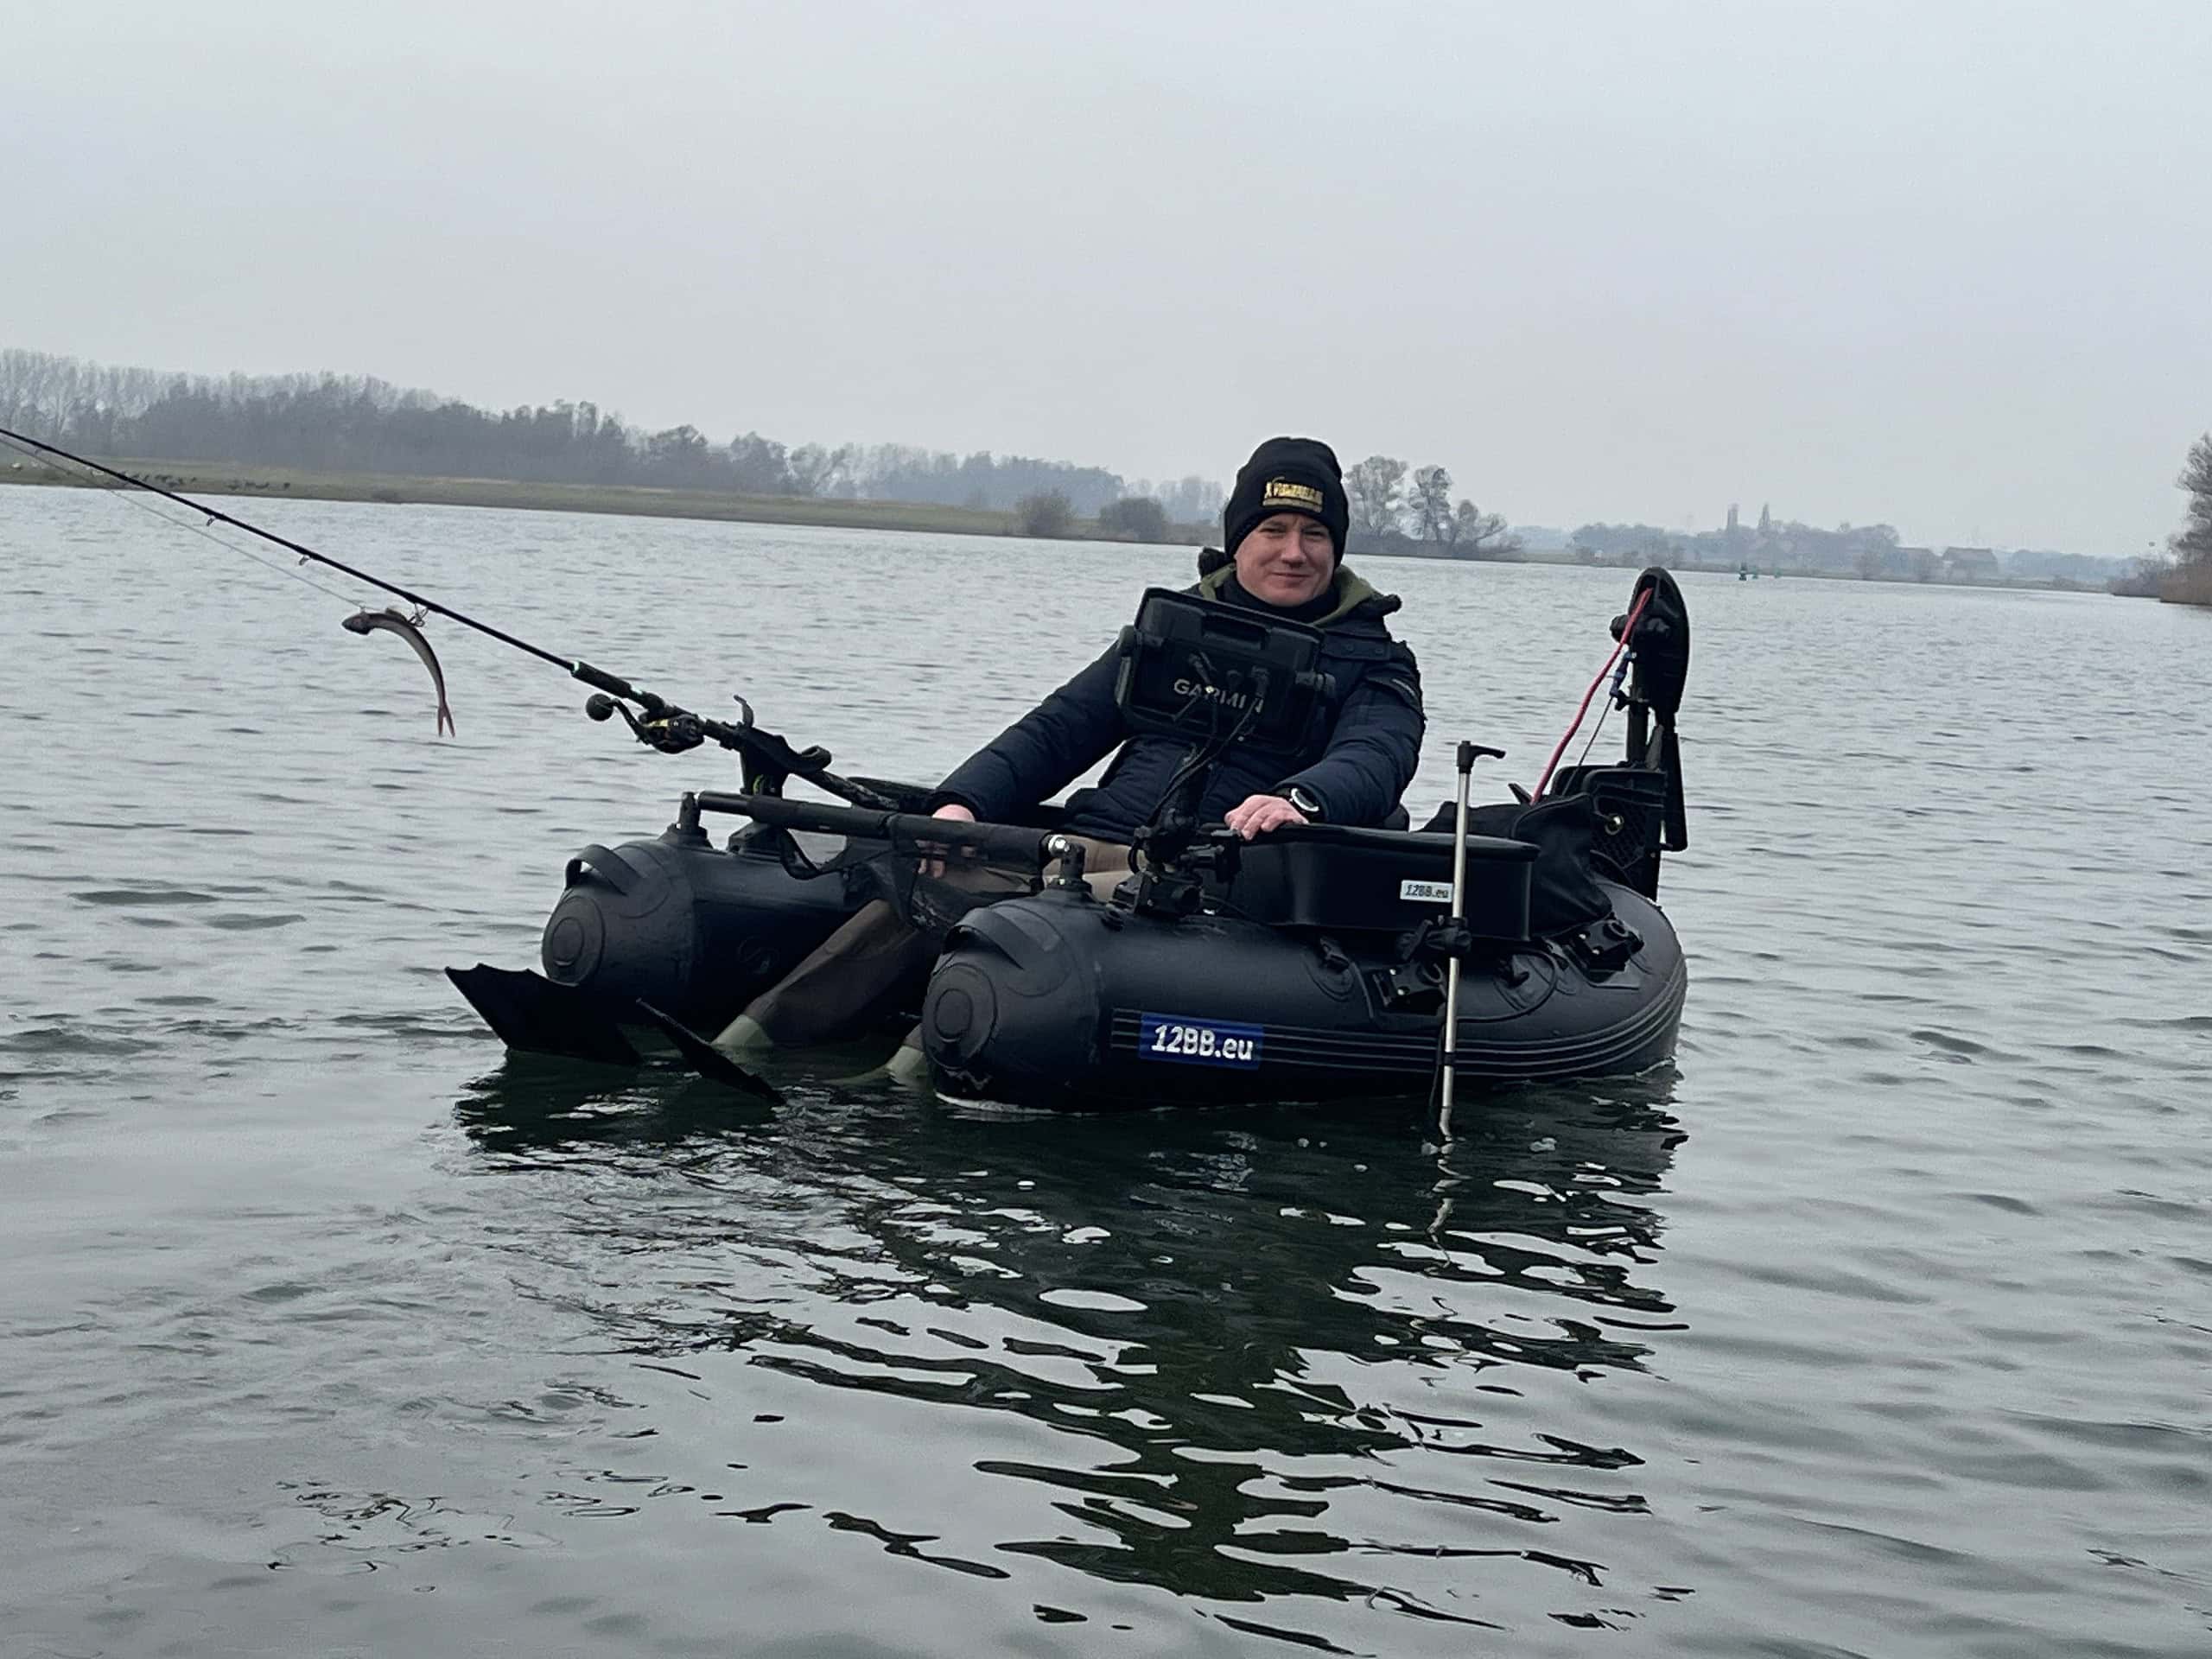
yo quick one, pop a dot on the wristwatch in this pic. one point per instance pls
(1305, 800)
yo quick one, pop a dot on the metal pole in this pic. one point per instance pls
(1466, 761)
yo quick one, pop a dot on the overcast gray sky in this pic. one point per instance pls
(1945, 264)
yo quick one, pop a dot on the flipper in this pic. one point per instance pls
(532, 1014)
(704, 1058)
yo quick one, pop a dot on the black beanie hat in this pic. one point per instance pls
(1287, 475)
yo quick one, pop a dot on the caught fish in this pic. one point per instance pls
(410, 629)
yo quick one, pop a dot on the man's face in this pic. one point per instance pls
(1285, 559)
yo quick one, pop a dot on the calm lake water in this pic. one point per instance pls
(1881, 1325)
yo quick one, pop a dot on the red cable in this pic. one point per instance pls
(1628, 632)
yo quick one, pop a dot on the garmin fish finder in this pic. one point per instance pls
(1216, 674)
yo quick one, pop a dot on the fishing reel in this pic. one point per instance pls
(665, 727)
(767, 759)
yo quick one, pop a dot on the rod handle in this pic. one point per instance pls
(616, 685)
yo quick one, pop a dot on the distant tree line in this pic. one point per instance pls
(1397, 509)
(1875, 552)
(1865, 550)
(353, 423)
(893, 471)
(898, 472)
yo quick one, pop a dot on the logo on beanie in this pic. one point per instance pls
(1282, 492)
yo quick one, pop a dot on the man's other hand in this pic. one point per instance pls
(958, 814)
(1257, 814)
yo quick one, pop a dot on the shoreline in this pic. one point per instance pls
(640, 501)
(624, 500)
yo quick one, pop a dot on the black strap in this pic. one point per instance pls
(605, 864)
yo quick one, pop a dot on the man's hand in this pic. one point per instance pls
(1257, 814)
(958, 814)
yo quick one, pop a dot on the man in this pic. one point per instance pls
(1284, 528)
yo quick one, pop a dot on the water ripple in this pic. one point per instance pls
(1876, 1328)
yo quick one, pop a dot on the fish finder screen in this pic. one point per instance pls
(1212, 672)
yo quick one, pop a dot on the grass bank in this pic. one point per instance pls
(237, 478)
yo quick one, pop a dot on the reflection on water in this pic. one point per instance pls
(1268, 1354)
(540, 1107)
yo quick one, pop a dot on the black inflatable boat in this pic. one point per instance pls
(1308, 964)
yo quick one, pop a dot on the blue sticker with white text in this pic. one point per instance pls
(1196, 1042)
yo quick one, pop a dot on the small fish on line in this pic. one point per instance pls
(410, 629)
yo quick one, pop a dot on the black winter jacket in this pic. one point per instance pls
(1367, 742)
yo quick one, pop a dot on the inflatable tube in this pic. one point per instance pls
(1060, 1002)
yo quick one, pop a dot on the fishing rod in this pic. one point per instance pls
(767, 758)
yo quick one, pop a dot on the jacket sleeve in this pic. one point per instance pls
(1043, 752)
(1374, 749)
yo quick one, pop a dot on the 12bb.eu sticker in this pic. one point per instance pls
(1196, 1042)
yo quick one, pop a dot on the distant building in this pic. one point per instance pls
(1970, 564)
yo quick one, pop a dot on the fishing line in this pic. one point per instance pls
(1604, 709)
(1615, 698)
(668, 727)
(566, 665)
(1628, 632)
(201, 531)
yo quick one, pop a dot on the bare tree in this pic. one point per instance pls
(1428, 505)
(1377, 492)
(1191, 499)
(1134, 519)
(1464, 530)
(1480, 535)
(2192, 543)
(816, 470)
(1047, 514)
